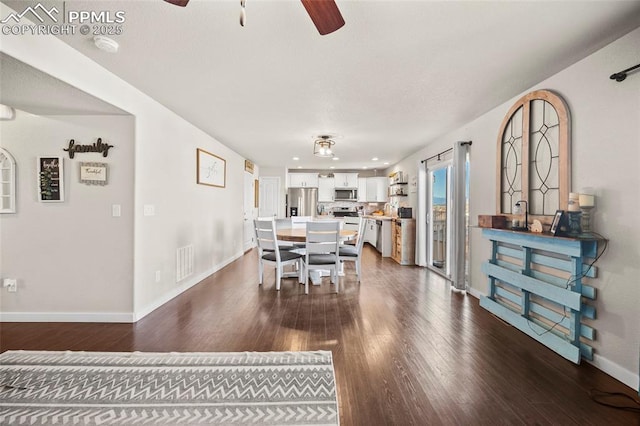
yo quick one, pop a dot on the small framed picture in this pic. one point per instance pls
(50, 179)
(211, 169)
(557, 220)
(93, 173)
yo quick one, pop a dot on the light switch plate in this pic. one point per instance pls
(116, 210)
(149, 210)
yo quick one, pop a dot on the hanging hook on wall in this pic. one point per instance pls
(620, 76)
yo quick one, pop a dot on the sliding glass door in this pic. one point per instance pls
(439, 217)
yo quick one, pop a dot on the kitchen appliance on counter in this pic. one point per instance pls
(302, 202)
(405, 212)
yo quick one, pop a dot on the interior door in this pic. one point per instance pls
(439, 226)
(269, 197)
(248, 234)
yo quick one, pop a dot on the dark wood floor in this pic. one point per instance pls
(407, 351)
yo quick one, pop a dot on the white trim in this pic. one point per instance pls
(113, 317)
(475, 293)
(616, 371)
(137, 316)
(126, 317)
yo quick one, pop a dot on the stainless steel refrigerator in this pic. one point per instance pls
(302, 202)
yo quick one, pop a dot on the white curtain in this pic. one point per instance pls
(421, 216)
(458, 243)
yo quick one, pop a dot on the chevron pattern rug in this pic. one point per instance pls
(109, 388)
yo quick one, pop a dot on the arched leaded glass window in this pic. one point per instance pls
(7, 182)
(534, 155)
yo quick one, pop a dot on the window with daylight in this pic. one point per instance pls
(534, 159)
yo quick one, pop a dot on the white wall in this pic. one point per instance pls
(605, 156)
(73, 258)
(165, 155)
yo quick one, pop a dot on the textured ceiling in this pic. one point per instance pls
(394, 77)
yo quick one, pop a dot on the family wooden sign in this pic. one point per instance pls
(97, 146)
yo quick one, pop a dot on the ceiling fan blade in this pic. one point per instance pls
(324, 14)
(181, 3)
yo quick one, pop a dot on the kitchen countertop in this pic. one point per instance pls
(387, 217)
(366, 216)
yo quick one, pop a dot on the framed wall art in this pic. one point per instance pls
(557, 222)
(50, 179)
(211, 169)
(256, 193)
(93, 173)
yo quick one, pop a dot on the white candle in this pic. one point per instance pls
(586, 200)
(573, 205)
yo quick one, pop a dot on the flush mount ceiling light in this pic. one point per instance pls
(323, 146)
(106, 44)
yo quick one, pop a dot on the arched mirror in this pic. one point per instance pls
(7, 182)
(534, 158)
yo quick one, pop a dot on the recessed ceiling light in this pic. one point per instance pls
(299, 167)
(296, 158)
(364, 167)
(105, 43)
(332, 167)
(386, 163)
(374, 159)
(335, 158)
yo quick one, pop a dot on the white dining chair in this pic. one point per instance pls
(298, 222)
(269, 253)
(353, 253)
(284, 224)
(322, 242)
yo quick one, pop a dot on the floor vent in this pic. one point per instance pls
(184, 262)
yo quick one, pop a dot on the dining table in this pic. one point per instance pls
(299, 235)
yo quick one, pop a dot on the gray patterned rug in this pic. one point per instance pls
(110, 388)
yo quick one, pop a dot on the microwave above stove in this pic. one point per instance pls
(346, 195)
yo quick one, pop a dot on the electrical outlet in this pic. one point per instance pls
(11, 284)
(158, 276)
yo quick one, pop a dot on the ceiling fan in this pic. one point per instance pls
(324, 13)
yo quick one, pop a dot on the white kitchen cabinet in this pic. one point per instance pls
(377, 189)
(373, 189)
(370, 232)
(303, 180)
(346, 180)
(362, 190)
(326, 189)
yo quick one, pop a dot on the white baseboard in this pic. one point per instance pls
(66, 317)
(138, 315)
(475, 293)
(616, 371)
(601, 363)
(112, 317)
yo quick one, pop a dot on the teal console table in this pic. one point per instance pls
(536, 285)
